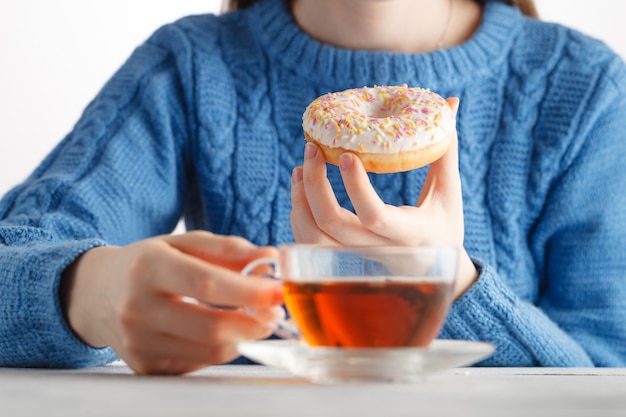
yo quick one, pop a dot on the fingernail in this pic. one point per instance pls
(310, 151)
(454, 104)
(346, 161)
(296, 175)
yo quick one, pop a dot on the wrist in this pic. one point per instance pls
(467, 274)
(82, 296)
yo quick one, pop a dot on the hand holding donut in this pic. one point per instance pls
(390, 128)
(437, 218)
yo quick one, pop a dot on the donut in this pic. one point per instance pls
(389, 128)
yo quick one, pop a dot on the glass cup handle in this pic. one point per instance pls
(283, 328)
(249, 268)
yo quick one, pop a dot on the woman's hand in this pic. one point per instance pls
(437, 218)
(139, 300)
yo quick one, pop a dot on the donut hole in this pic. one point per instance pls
(378, 110)
(380, 113)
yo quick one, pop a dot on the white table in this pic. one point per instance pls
(251, 390)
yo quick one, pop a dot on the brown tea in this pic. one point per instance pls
(382, 313)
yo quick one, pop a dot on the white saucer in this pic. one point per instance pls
(332, 365)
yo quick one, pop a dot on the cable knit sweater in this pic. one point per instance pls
(204, 122)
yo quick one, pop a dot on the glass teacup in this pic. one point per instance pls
(365, 297)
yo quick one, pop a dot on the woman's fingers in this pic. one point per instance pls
(303, 223)
(187, 331)
(326, 213)
(443, 181)
(400, 225)
(318, 218)
(371, 211)
(160, 330)
(453, 102)
(375, 222)
(135, 299)
(175, 272)
(228, 251)
(157, 353)
(205, 325)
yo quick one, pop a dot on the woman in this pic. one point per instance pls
(204, 121)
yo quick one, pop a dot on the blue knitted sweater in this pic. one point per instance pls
(204, 122)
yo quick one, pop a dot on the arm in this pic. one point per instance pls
(579, 242)
(115, 178)
(118, 178)
(139, 300)
(523, 334)
(437, 219)
(579, 319)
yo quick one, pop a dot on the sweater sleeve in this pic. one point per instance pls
(579, 244)
(116, 178)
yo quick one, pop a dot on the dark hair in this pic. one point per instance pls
(526, 6)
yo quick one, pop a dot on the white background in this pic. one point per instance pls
(56, 54)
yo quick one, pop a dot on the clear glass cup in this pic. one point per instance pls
(365, 297)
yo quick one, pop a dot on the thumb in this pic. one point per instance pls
(443, 181)
(453, 102)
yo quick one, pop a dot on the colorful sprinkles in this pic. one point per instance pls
(379, 119)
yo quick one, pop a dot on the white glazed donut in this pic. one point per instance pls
(390, 128)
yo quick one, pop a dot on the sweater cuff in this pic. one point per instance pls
(480, 315)
(522, 334)
(38, 330)
(474, 315)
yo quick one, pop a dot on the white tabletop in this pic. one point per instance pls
(254, 390)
